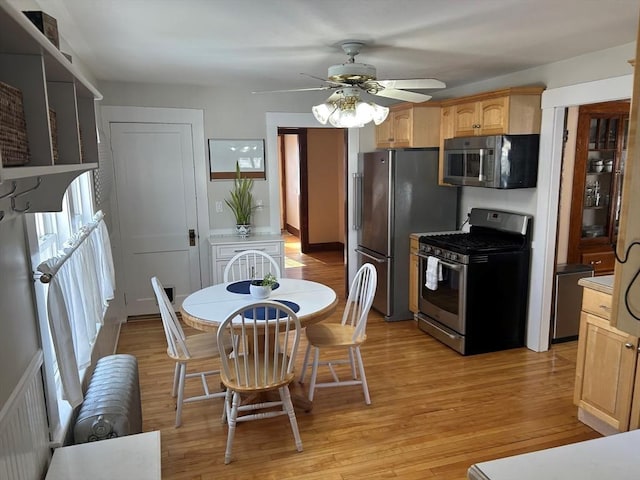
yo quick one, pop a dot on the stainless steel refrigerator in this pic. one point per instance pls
(397, 193)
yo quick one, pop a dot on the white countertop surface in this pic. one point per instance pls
(613, 457)
(255, 238)
(123, 458)
(602, 283)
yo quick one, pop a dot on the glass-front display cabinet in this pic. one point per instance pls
(601, 150)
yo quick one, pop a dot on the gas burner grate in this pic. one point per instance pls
(474, 242)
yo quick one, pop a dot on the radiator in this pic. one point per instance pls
(111, 406)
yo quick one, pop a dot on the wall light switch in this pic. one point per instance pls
(218, 206)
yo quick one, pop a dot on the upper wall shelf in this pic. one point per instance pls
(59, 110)
(18, 36)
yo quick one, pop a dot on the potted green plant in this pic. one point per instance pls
(241, 203)
(262, 288)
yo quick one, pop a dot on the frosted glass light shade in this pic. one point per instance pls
(350, 113)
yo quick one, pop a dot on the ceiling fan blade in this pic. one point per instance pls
(412, 84)
(403, 95)
(326, 80)
(310, 89)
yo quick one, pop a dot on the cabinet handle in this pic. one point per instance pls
(629, 345)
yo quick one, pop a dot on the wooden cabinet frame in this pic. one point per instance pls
(596, 251)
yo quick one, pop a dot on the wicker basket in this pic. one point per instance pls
(14, 145)
(54, 134)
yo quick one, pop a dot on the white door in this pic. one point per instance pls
(155, 187)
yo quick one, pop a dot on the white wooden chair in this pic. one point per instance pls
(350, 334)
(185, 350)
(250, 264)
(263, 364)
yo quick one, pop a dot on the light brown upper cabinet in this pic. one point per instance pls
(601, 150)
(510, 110)
(410, 125)
(507, 111)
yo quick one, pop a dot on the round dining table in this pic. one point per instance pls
(312, 302)
(206, 309)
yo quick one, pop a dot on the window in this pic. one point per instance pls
(51, 231)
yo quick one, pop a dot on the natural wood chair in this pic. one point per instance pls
(185, 350)
(350, 334)
(262, 362)
(250, 264)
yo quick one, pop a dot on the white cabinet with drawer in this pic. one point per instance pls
(224, 247)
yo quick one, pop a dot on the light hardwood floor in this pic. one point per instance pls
(433, 413)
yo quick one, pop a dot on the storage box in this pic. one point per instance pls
(46, 24)
(14, 145)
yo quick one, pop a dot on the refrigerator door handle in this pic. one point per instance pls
(368, 255)
(357, 201)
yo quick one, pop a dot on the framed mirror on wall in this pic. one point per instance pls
(224, 154)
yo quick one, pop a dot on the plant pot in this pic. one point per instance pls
(243, 231)
(257, 290)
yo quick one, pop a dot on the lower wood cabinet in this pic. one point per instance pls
(223, 248)
(606, 369)
(414, 269)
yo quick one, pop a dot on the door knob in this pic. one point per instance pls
(192, 237)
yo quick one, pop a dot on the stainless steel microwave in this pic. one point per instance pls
(495, 161)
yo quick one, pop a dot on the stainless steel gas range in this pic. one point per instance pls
(474, 285)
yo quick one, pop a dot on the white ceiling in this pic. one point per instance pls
(266, 44)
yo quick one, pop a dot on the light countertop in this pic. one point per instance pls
(254, 238)
(122, 458)
(602, 284)
(615, 456)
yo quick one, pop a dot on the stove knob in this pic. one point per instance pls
(437, 251)
(453, 256)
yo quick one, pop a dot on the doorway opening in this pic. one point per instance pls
(312, 167)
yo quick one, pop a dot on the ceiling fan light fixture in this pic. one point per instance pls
(349, 112)
(323, 111)
(380, 113)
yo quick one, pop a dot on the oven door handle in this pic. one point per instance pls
(452, 266)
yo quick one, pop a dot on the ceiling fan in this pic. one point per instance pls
(350, 77)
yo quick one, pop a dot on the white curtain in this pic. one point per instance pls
(82, 282)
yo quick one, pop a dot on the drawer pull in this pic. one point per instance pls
(605, 308)
(245, 249)
(629, 345)
(596, 262)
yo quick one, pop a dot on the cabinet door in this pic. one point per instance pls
(601, 149)
(403, 128)
(384, 133)
(494, 116)
(605, 371)
(465, 120)
(413, 276)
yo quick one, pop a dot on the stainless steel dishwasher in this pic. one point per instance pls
(568, 301)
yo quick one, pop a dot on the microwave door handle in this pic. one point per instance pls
(481, 175)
